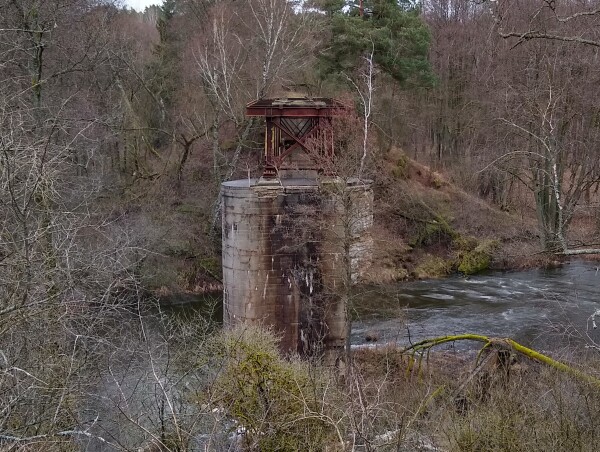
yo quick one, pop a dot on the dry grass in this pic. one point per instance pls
(536, 409)
(386, 402)
(410, 200)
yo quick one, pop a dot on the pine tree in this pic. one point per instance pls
(393, 31)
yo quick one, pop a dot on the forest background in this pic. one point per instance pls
(132, 120)
(480, 121)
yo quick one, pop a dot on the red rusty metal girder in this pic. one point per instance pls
(278, 113)
(298, 112)
(297, 107)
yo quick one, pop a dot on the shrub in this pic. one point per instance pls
(210, 265)
(434, 232)
(274, 401)
(433, 267)
(437, 181)
(400, 169)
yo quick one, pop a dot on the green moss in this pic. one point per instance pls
(179, 248)
(473, 262)
(400, 274)
(478, 259)
(437, 231)
(400, 170)
(436, 181)
(433, 267)
(210, 265)
(189, 208)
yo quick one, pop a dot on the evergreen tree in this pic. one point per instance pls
(392, 30)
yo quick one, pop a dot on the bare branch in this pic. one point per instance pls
(528, 35)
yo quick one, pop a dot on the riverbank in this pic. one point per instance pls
(428, 227)
(452, 405)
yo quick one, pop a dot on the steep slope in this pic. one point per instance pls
(428, 227)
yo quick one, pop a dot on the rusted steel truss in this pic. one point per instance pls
(291, 124)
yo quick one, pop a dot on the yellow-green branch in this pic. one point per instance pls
(532, 354)
(427, 344)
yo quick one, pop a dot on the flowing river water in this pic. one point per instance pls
(543, 308)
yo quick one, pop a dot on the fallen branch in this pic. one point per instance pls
(581, 251)
(427, 344)
(528, 35)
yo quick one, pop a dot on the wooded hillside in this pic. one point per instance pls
(117, 129)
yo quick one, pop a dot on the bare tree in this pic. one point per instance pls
(549, 117)
(245, 51)
(571, 22)
(66, 266)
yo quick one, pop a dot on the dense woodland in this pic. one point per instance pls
(117, 129)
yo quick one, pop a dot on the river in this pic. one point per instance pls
(543, 308)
